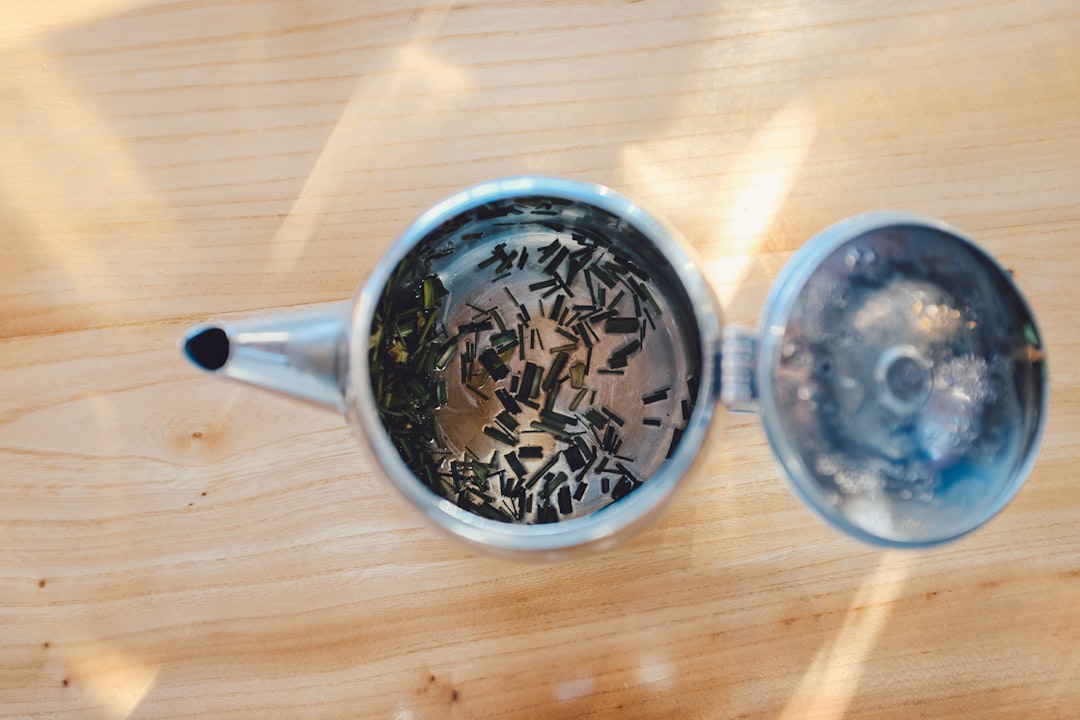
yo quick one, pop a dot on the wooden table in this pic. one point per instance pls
(176, 547)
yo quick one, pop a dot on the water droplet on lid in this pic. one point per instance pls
(826, 465)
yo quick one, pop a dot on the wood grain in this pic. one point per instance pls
(175, 548)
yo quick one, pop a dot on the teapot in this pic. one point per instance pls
(535, 364)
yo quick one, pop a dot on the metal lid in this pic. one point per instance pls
(902, 380)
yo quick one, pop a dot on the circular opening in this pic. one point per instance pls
(927, 421)
(907, 380)
(534, 359)
(905, 377)
(208, 348)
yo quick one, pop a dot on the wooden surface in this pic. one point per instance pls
(175, 547)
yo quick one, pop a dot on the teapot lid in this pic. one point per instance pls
(901, 379)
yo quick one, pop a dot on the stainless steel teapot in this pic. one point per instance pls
(536, 361)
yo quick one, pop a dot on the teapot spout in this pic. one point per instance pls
(300, 353)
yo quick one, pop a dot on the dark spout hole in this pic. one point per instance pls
(209, 348)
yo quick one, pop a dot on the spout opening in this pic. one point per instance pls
(208, 348)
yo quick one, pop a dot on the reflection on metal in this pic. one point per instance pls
(300, 353)
(738, 359)
(905, 392)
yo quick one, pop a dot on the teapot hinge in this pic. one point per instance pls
(738, 360)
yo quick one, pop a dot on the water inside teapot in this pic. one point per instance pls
(534, 360)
